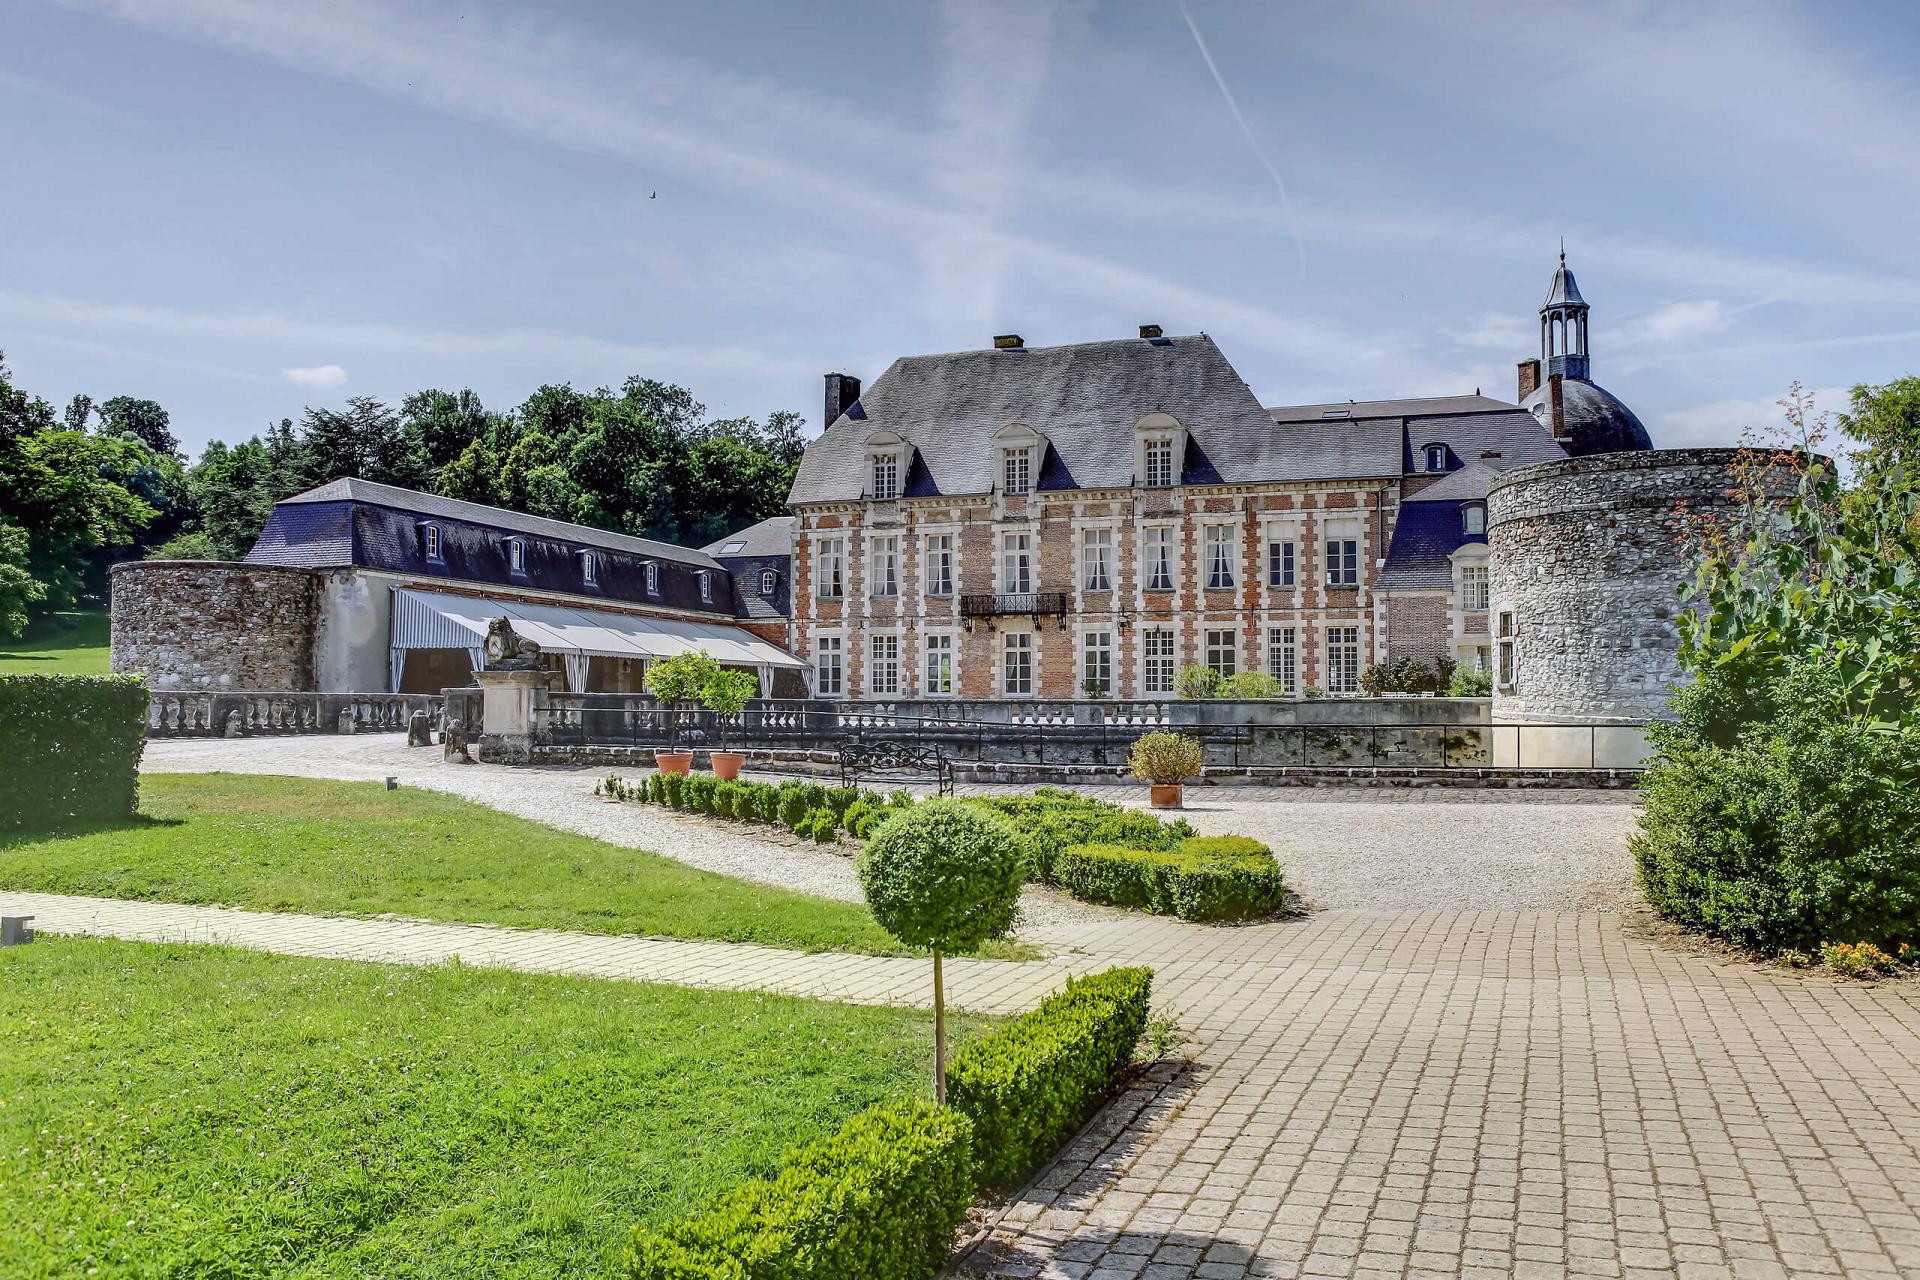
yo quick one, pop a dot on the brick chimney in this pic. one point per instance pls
(842, 390)
(1008, 342)
(1529, 378)
(1557, 406)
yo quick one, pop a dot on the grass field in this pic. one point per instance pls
(202, 1111)
(295, 844)
(59, 644)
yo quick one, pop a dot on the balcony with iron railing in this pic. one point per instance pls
(1016, 603)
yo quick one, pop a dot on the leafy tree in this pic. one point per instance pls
(365, 440)
(442, 424)
(188, 546)
(141, 420)
(69, 492)
(79, 409)
(18, 588)
(472, 477)
(234, 490)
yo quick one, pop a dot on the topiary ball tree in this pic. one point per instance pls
(944, 876)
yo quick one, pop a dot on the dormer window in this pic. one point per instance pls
(430, 543)
(589, 569)
(1159, 441)
(1159, 464)
(516, 555)
(1017, 470)
(1473, 518)
(706, 586)
(1436, 457)
(886, 477)
(653, 577)
(769, 581)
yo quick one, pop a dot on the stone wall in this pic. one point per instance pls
(1587, 558)
(203, 624)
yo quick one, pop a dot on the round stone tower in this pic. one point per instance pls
(1587, 560)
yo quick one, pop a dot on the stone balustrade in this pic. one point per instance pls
(204, 714)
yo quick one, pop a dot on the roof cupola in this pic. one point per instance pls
(1563, 325)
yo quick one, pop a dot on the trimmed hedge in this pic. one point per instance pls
(878, 1200)
(1030, 1084)
(71, 747)
(1053, 820)
(1205, 878)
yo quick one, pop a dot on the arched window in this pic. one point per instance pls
(1436, 457)
(1473, 517)
(516, 555)
(653, 577)
(769, 582)
(589, 568)
(430, 542)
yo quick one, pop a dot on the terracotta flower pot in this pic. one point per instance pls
(726, 765)
(673, 761)
(1166, 795)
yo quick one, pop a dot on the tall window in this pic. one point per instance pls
(1343, 659)
(653, 577)
(884, 570)
(1283, 656)
(1343, 562)
(828, 678)
(1280, 563)
(1016, 668)
(1506, 661)
(1159, 463)
(1017, 470)
(1473, 518)
(883, 664)
(1474, 587)
(1156, 660)
(1219, 556)
(1436, 457)
(939, 679)
(1016, 563)
(940, 564)
(430, 537)
(1097, 552)
(769, 579)
(706, 586)
(1222, 651)
(1159, 558)
(516, 555)
(589, 568)
(830, 561)
(1096, 663)
(886, 477)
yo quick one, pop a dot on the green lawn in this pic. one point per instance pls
(199, 1111)
(59, 644)
(294, 844)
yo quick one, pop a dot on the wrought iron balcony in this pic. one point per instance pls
(1056, 603)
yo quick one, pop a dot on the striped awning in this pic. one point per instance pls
(436, 620)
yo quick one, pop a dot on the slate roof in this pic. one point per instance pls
(353, 489)
(1414, 408)
(1424, 540)
(771, 537)
(1084, 398)
(1466, 484)
(1595, 417)
(1509, 431)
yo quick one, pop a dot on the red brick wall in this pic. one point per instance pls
(1419, 627)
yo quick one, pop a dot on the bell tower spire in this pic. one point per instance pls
(1563, 325)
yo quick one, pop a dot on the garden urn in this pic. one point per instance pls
(726, 764)
(673, 761)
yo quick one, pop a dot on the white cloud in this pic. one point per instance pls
(1501, 331)
(322, 375)
(1677, 322)
(1724, 422)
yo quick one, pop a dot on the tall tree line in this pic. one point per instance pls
(106, 481)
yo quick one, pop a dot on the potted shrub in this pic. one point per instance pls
(1165, 761)
(726, 694)
(676, 682)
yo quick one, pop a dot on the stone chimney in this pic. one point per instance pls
(842, 390)
(1529, 379)
(1557, 406)
(1009, 342)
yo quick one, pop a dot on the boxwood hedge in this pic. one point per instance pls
(1029, 1085)
(879, 1199)
(1204, 878)
(71, 747)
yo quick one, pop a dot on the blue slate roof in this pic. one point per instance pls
(1424, 540)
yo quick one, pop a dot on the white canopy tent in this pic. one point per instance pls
(438, 620)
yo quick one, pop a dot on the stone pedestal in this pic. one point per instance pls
(513, 707)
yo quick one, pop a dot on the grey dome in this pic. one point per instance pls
(1596, 420)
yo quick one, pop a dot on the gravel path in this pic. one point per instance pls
(1342, 847)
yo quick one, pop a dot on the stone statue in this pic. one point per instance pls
(419, 729)
(508, 650)
(453, 748)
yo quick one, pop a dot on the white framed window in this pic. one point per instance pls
(1219, 556)
(1280, 562)
(1436, 457)
(1016, 663)
(1159, 460)
(1016, 563)
(589, 568)
(829, 676)
(939, 672)
(1283, 656)
(1343, 659)
(652, 575)
(516, 555)
(939, 564)
(1475, 584)
(430, 541)
(830, 567)
(1343, 562)
(1473, 518)
(1096, 663)
(886, 477)
(1156, 660)
(706, 586)
(883, 665)
(1222, 651)
(769, 582)
(883, 561)
(1096, 546)
(1159, 557)
(1505, 659)
(1016, 470)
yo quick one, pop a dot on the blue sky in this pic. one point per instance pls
(241, 208)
